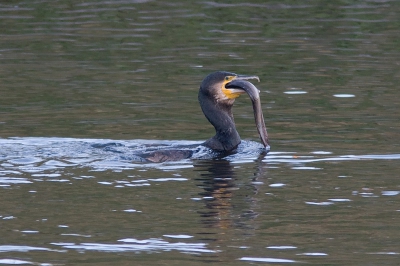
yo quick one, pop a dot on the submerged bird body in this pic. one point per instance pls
(216, 96)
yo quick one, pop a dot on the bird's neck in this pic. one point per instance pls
(220, 116)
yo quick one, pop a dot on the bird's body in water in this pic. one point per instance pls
(217, 94)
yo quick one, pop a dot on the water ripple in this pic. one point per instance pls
(135, 245)
(44, 157)
(268, 260)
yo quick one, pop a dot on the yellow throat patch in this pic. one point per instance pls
(230, 93)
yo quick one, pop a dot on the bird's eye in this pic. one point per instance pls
(227, 78)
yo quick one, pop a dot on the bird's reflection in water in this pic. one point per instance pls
(228, 193)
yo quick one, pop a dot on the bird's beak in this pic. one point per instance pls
(246, 77)
(241, 83)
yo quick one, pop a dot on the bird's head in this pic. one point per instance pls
(220, 86)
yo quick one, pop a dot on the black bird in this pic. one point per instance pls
(217, 94)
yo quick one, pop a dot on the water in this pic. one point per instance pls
(78, 76)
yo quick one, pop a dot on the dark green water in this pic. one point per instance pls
(74, 73)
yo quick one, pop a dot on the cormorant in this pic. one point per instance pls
(217, 94)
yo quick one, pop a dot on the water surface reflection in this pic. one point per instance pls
(218, 180)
